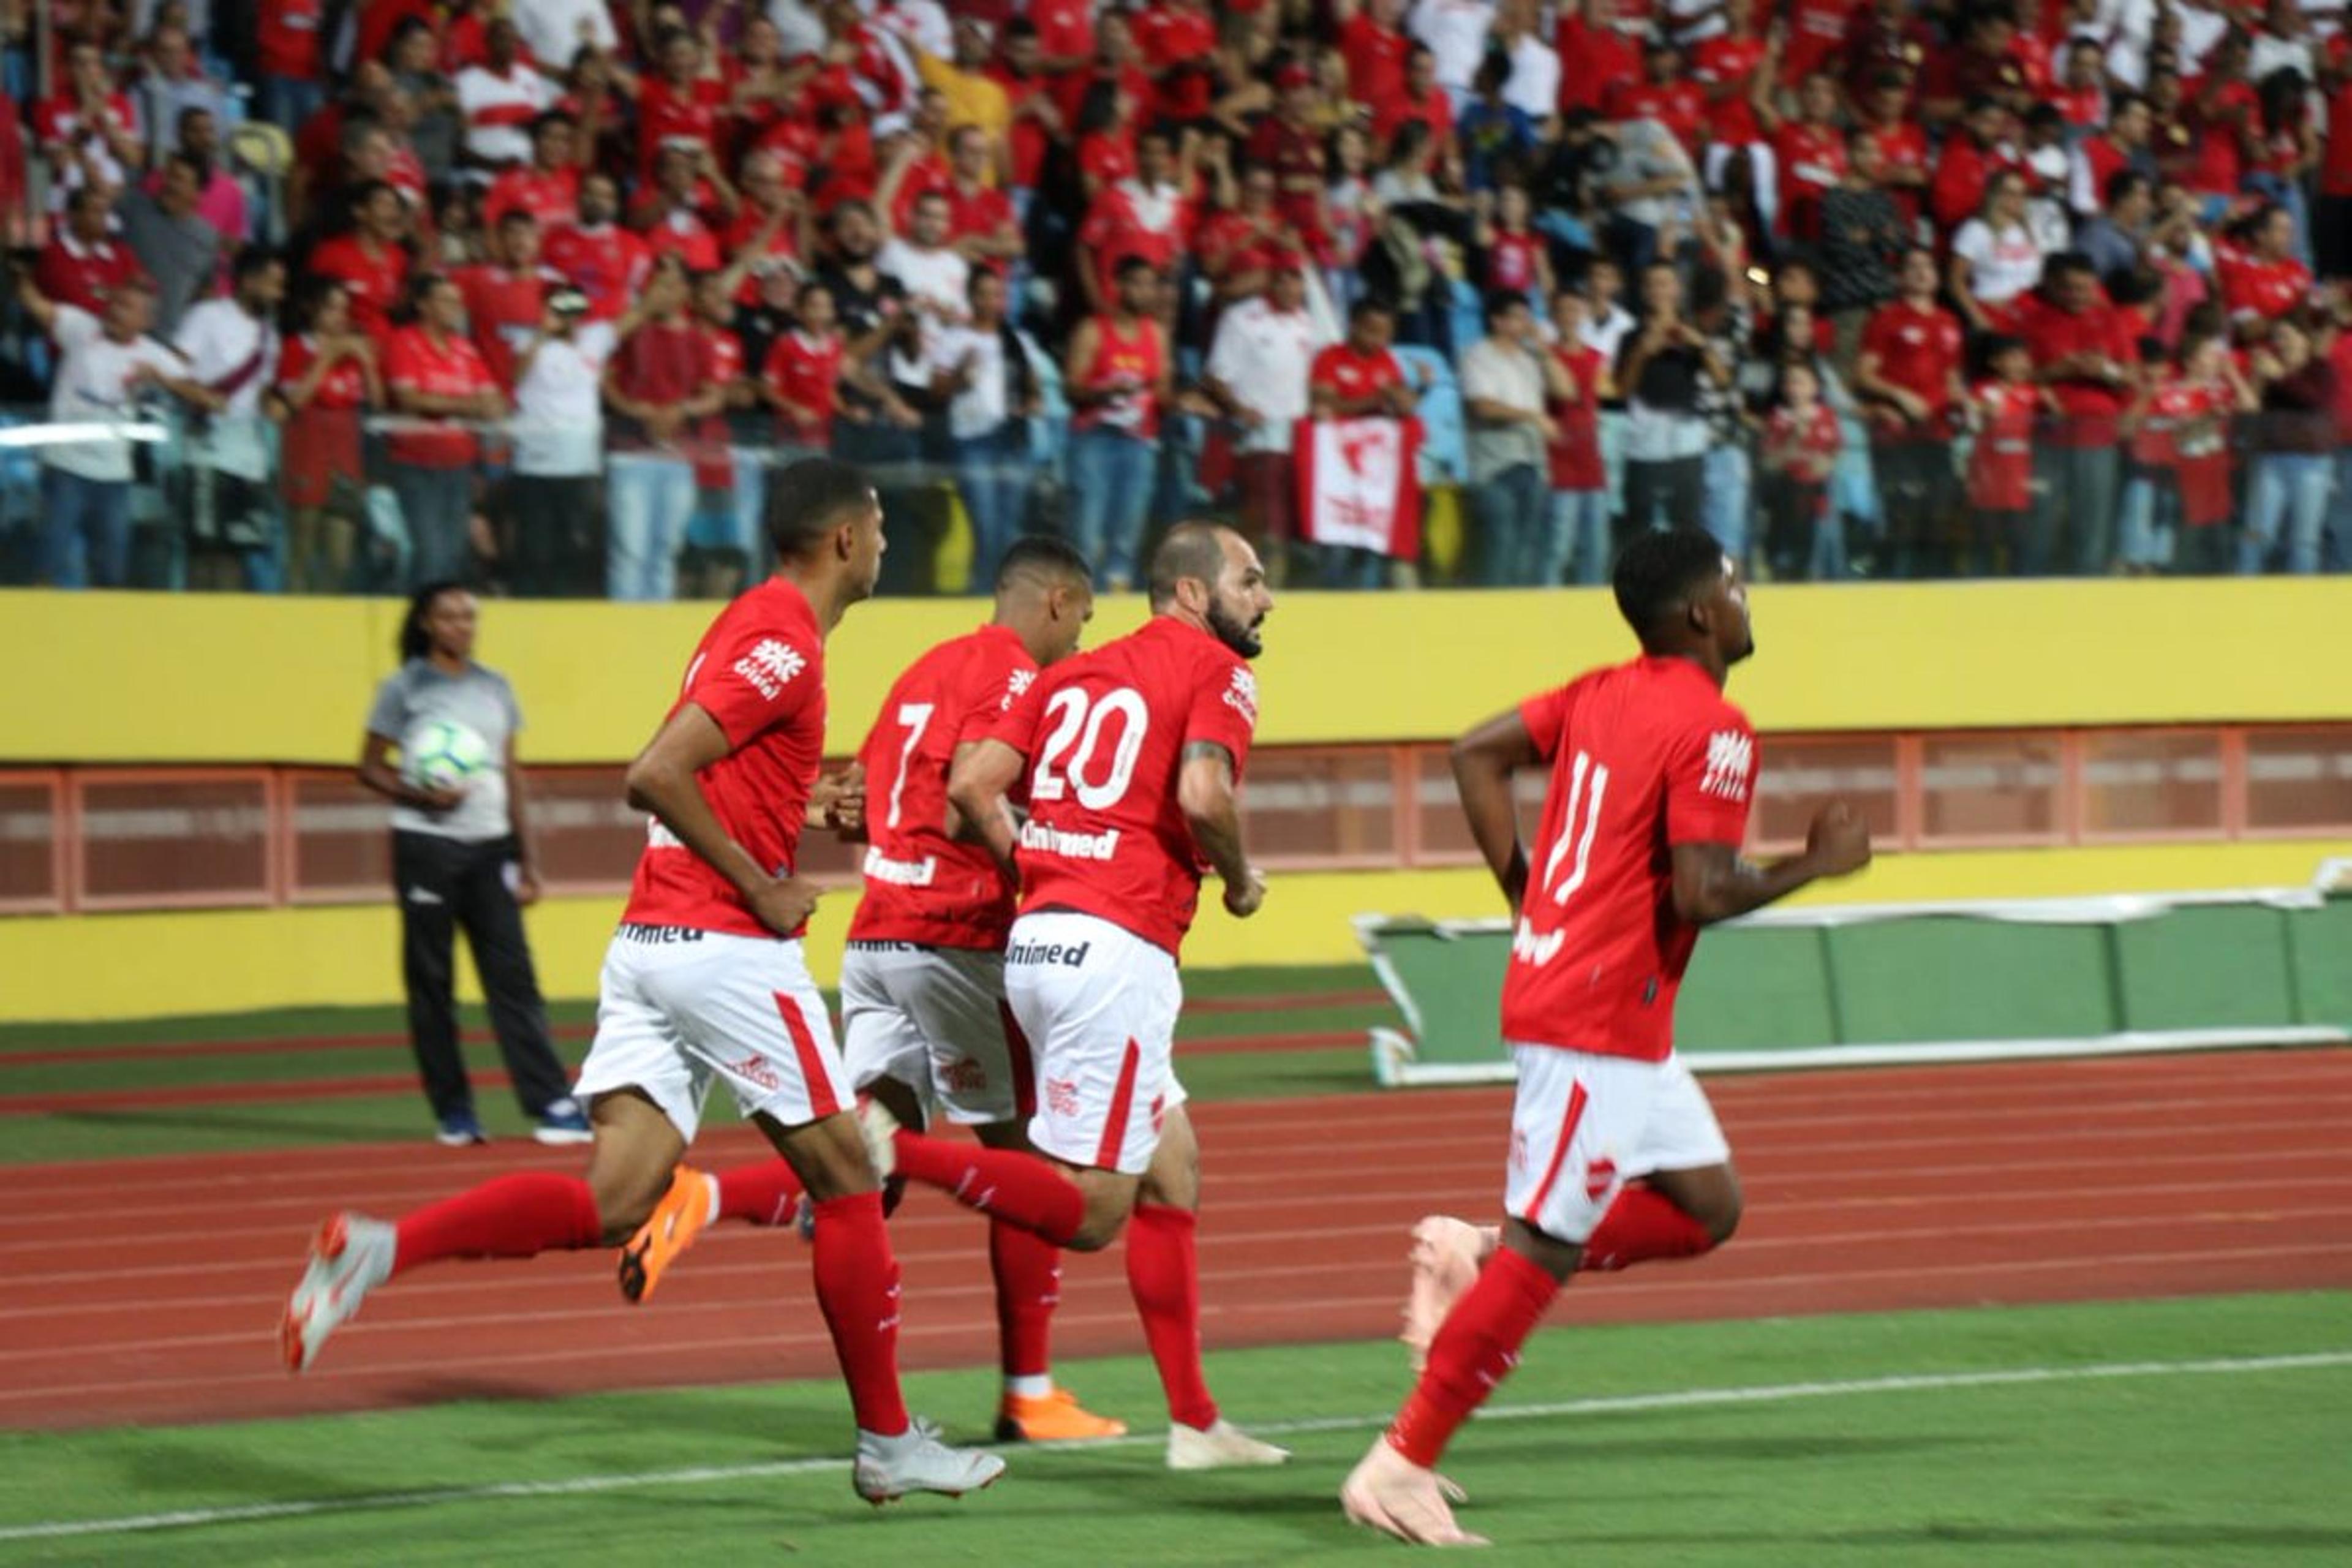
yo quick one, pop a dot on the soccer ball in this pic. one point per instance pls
(444, 753)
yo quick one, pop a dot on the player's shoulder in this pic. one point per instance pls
(774, 623)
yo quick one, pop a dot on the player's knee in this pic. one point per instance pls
(1107, 1211)
(1721, 1214)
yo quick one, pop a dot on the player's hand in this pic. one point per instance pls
(1247, 896)
(526, 887)
(783, 904)
(839, 800)
(438, 798)
(1839, 840)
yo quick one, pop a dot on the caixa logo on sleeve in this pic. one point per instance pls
(769, 666)
(1730, 758)
(1241, 696)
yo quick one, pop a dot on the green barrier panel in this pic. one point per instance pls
(1926, 983)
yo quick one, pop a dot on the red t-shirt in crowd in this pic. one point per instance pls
(921, 884)
(553, 198)
(1725, 59)
(2088, 406)
(288, 39)
(607, 263)
(1375, 56)
(1103, 734)
(1803, 446)
(1029, 141)
(1511, 260)
(1918, 349)
(1436, 111)
(83, 275)
(503, 311)
(1676, 105)
(1138, 355)
(1643, 756)
(1342, 370)
(1817, 31)
(1594, 59)
(2252, 286)
(759, 672)
(446, 367)
(1575, 457)
(660, 363)
(668, 114)
(2000, 465)
(1181, 37)
(374, 281)
(806, 370)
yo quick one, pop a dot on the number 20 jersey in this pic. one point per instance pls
(1104, 735)
(1643, 756)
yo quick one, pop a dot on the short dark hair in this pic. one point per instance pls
(252, 261)
(1195, 550)
(2123, 183)
(1500, 302)
(413, 642)
(1133, 265)
(1043, 556)
(1370, 305)
(806, 499)
(1657, 573)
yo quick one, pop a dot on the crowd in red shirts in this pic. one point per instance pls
(2040, 258)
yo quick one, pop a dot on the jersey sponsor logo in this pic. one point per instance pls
(1019, 682)
(769, 665)
(1730, 758)
(1529, 948)
(757, 1068)
(1069, 846)
(1070, 955)
(1241, 696)
(965, 1076)
(881, 867)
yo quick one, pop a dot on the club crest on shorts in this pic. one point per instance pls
(757, 1068)
(1062, 1095)
(1599, 1177)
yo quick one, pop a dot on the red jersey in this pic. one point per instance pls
(1803, 446)
(83, 275)
(1813, 159)
(1104, 735)
(2000, 466)
(1127, 220)
(2089, 406)
(1903, 146)
(1294, 154)
(607, 264)
(287, 38)
(1178, 41)
(1138, 355)
(1342, 370)
(979, 214)
(1644, 756)
(1375, 56)
(1575, 457)
(553, 198)
(758, 671)
(374, 281)
(1511, 261)
(1436, 111)
(667, 114)
(2336, 167)
(1601, 58)
(1676, 105)
(683, 234)
(806, 370)
(1920, 351)
(503, 311)
(1029, 141)
(1066, 29)
(1817, 31)
(927, 174)
(446, 367)
(921, 884)
(2252, 286)
(1725, 59)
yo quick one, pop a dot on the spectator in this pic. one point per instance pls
(1292, 144)
(2260, 280)
(1149, 218)
(1361, 379)
(1373, 43)
(2121, 146)
(1588, 35)
(1996, 260)
(679, 105)
(327, 377)
(1719, 309)
(2085, 356)
(801, 374)
(290, 60)
(1117, 380)
(231, 346)
(1659, 370)
(660, 382)
(83, 264)
(2176, 502)
(1259, 366)
(462, 856)
(2286, 500)
(2003, 409)
(935, 281)
(557, 542)
(975, 99)
(981, 371)
(688, 203)
(1517, 260)
(1424, 102)
(1970, 157)
(222, 199)
(1455, 32)
(723, 540)
(597, 255)
(1909, 373)
(555, 31)
(1810, 153)
(1534, 86)
(1863, 236)
(436, 377)
(1607, 322)
(89, 130)
(1801, 438)
(106, 366)
(2331, 220)
(1507, 381)
(1579, 535)
(371, 260)
(2111, 239)
(548, 187)
(172, 87)
(1655, 191)
(982, 225)
(501, 99)
(174, 246)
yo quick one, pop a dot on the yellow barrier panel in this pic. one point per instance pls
(186, 678)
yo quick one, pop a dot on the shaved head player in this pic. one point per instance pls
(1615, 1155)
(705, 981)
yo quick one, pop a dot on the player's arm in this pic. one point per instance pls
(1715, 882)
(1484, 761)
(663, 781)
(1204, 790)
(377, 774)
(838, 802)
(979, 805)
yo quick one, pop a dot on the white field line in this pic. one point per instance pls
(1671, 1399)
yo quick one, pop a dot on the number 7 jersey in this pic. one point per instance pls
(1104, 736)
(1643, 756)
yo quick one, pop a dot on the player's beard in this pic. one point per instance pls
(1234, 631)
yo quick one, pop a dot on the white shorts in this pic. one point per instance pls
(934, 1018)
(678, 1008)
(1098, 1004)
(1584, 1125)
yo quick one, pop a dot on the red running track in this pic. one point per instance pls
(149, 1290)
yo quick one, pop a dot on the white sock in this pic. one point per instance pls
(1032, 1386)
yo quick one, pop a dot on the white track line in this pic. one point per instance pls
(1676, 1399)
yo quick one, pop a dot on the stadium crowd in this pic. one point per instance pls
(531, 292)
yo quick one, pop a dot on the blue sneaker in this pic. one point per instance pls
(562, 1122)
(460, 1130)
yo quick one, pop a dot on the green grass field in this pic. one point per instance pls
(2162, 1432)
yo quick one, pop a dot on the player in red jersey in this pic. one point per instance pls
(1615, 1155)
(1132, 756)
(705, 981)
(924, 1022)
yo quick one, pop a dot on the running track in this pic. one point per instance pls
(148, 1291)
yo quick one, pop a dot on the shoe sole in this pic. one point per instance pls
(886, 1499)
(561, 1137)
(334, 1236)
(1008, 1430)
(461, 1140)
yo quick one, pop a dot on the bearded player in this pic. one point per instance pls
(705, 981)
(1615, 1155)
(924, 1022)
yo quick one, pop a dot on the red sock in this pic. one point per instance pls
(1164, 1275)
(1010, 1185)
(519, 1215)
(1028, 1270)
(1472, 1352)
(1644, 1224)
(764, 1194)
(857, 1287)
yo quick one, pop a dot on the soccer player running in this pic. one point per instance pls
(1615, 1155)
(1132, 755)
(924, 1021)
(705, 981)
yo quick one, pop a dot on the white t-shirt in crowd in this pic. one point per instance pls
(985, 404)
(552, 30)
(940, 279)
(220, 341)
(1455, 32)
(559, 417)
(89, 389)
(498, 110)
(1265, 357)
(2000, 266)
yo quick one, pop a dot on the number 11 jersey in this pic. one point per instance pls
(1643, 756)
(1104, 735)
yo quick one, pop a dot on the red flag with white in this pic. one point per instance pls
(1360, 484)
